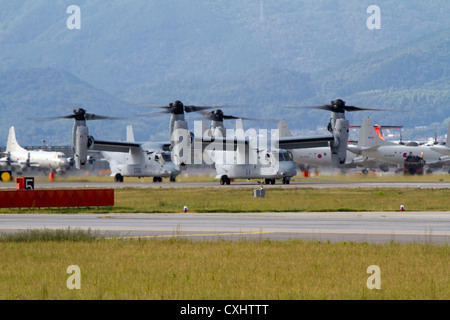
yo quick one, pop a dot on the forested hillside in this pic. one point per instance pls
(259, 55)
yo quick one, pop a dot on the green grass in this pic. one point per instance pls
(203, 200)
(184, 269)
(74, 235)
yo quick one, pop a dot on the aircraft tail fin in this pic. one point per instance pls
(130, 133)
(283, 129)
(368, 136)
(12, 145)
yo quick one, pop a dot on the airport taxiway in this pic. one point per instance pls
(433, 227)
(404, 226)
(308, 183)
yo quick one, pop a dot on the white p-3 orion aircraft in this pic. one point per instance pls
(21, 160)
(370, 145)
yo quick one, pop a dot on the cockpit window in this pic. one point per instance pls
(285, 156)
(288, 156)
(166, 157)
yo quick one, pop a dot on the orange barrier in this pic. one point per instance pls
(56, 198)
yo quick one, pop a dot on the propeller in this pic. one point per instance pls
(339, 106)
(80, 114)
(7, 158)
(217, 115)
(177, 107)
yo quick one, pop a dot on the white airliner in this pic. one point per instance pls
(20, 159)
(319, 157)
(370, 145)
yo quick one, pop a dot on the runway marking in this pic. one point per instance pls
(425, 233)
(193, 235)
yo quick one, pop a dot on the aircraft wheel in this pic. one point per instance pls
(272, 181)
(172, 179)
(222, 181)
(228, 181)
(118, 178)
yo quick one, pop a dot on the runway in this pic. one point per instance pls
(370, 227)
(307, 183)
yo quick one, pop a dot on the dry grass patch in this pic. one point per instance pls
(182, 269)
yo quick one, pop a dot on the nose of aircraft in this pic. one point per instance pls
(288, 168)
(63, 163)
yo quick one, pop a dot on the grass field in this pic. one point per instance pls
(33, 265)
(183, 269)
(202, 200)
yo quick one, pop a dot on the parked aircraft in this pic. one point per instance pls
(251, 159)
(238, 153)
(20, 159)
(443, 149)
(308, 158)
(150, 159)
(126, 158)
(370, 145)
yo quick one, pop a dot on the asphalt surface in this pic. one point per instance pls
(332, 226)
(308, 183)
(378, 227)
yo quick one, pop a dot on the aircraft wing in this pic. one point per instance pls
(4, 162)
(298, 142)
(358, 150)
(114, 146)
(283, 143)
(29, 164)
(225, 142)
(442, 150)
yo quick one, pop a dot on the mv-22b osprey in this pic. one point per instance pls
(238, 149)
(129, 158)
(126, 158)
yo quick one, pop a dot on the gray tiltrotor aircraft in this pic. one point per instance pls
(240, 147)
(126, 159)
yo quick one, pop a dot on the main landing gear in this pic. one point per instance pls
(224, 180)
(118, 178)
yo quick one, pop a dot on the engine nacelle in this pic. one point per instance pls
(81, 140)
(180, 139)
(339, 145)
